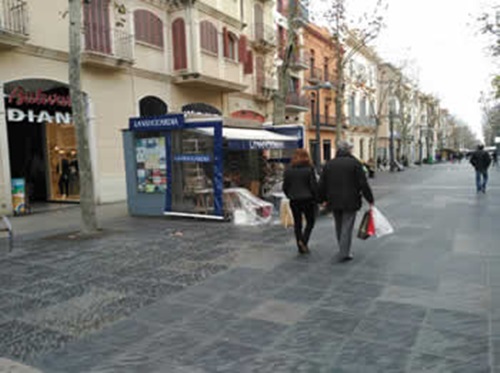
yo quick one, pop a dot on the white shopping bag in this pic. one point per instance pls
(382, 225)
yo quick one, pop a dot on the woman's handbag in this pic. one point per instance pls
(367, 227)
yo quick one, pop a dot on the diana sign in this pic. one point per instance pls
(42, 116)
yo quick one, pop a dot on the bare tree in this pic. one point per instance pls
(87, 195)
(287, 52)
(349, 37)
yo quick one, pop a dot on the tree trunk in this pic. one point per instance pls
(339, 95)
(375, 143)
(279, 102)
(87, 199)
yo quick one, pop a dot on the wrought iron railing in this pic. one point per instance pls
(14, 17)
(116, 43)
(264, 34)
(315, 74)
(301, 58)
(296, 99)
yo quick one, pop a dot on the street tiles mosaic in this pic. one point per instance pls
(205, 298)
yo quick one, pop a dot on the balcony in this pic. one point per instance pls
(265, 89)
(296, 102)
(300, 60)
(108, 48)
(264, 38)
(362, 122)
(315, 75)
(212, 72)
(13, 23)
(327, 121)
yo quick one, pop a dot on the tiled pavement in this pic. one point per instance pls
(182, 296)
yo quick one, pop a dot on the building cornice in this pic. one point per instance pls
(62, 56)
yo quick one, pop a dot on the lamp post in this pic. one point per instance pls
(317, 153)
(391, 138)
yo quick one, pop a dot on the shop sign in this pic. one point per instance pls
(157, 123)
(19, 97)
(201, 158)
(19, 115)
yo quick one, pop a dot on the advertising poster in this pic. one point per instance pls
(18, 196)
(151, 165)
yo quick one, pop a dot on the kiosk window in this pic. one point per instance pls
(151, 164)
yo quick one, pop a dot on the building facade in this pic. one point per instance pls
(361, 98)
(320, 78)
(139, 58)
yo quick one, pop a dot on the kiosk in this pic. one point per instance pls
(175, 165)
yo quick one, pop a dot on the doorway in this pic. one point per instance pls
(42, 140)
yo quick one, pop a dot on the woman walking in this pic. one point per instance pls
(301, 188)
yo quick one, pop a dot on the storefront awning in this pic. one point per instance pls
(245, 139)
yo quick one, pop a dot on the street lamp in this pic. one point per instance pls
(316, 88)
(392, 105)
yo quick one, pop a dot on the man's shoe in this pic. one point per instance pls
(347, 258)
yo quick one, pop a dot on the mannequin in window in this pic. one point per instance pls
(63, 169)
(74, 181)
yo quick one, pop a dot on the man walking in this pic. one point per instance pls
(481, 160)
(342, 183)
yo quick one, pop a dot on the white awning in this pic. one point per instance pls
(245, 138)
(247, 134)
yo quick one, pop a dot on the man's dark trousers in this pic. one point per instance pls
(481, 185)
(344, 224)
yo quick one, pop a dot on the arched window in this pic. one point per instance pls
(148, 28)
(208, 37)
(151, 106)
(179, 43)
(200, 108)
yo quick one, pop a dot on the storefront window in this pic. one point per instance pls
(151, 164)
(192, 172)
(63, 170)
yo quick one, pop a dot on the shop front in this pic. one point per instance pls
(41, 139)
(181, 166)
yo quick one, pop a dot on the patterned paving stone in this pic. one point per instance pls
(77, 357)
(399, 312)
(347, 302)
(296, 294)
(253, 332)
(273, 363)
(362, 356)
(279, 312)
(327, 320)
(237, 304)
(310, 345)
(219, 354)
(465, 323)
(452, 344)
(387, 332)
(37, 342)
(10, 366)
(208, 322)
(434, 364)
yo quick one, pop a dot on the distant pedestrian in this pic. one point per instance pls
(495, 159)
(481, 160)
(342, 184)
(301, 188)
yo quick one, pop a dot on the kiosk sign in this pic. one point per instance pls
(165, 122)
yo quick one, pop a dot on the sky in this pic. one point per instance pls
(440, 42)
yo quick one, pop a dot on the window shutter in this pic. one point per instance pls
(179, 39)
(249, 63)
(242, 49)
(225, 35)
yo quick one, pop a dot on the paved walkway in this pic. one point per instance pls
(182, 296)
